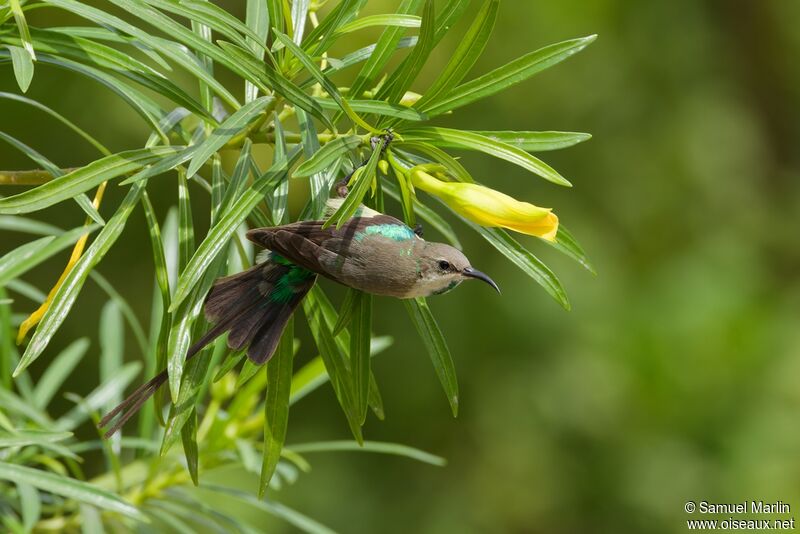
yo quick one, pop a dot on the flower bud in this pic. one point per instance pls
(488, 207)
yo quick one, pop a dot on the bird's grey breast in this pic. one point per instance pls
(380, 259)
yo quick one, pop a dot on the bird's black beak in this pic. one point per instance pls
(475, 273)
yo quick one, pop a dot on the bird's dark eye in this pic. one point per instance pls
(444, 265)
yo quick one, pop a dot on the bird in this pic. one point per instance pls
(371, 252)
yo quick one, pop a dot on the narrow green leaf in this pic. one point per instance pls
(160, 512)
(241, 407)
(165, 164)
(200, 516)
(22, 27)
(280, 199)
(31, 505)
(98, 397)
(510, 74)
(327, 155)
(31, 437)
(238, 180)
(203, 31)
(313, 374)
(474, 141)
(334, 360)
(190, 374)
(27, 290)
(277, 17)
(91, 522)
(23, 66)
(448, 16)
(185, 223)
(69, 488)
(26, 257)
(346, 310)
(370, 446)
(465, 55)
(362, 54)
(401, 79)
(384, 49)
(189, 437)
(375, 401)
(231, 360)
(377, 107)
(318, 183)
(360, 335)
(112, 345)
(218, 185)
(257, 19)
(324, 35)
(13, 223)
(219, 235)
(184, 317)
(522, 258)
(299, 15)
(162, 281)
(57, 372)
(405, 189)
(276, 405)
(436, 345)
(67, 293)
(248, 371)
(405, 21)
(326, 84)
(229, 128)
(274, 508)
(537, 141)
(363, 178)
(567, 244)
(13, 404)
(81, 180)
(125, 308)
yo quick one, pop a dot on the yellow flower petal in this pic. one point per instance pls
(34, 318)
(488, 207)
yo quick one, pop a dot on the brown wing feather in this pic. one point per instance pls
(313, 231)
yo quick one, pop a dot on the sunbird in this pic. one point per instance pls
(370, 252)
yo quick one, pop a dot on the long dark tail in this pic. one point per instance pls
(254, 306)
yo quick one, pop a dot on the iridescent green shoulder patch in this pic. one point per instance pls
(395, 232)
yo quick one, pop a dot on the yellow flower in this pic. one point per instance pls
(488, 207)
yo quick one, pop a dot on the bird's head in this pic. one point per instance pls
(442, 267)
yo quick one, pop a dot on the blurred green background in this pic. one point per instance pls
(675, 375)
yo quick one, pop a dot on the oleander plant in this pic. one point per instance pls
(269, 83)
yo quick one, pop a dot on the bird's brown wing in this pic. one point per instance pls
(308, 244)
